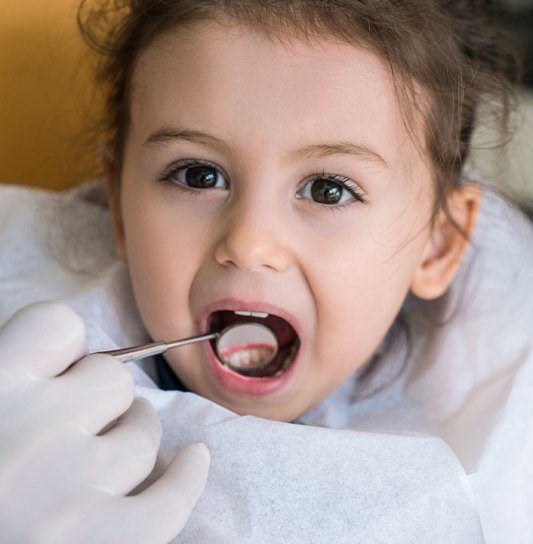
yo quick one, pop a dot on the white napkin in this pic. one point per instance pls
(441, 454)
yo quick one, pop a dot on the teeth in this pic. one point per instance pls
(255, 314)
(248, 358)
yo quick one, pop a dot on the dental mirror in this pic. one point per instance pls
(243, 346)
(246, 346)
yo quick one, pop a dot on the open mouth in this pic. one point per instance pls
(249, 354)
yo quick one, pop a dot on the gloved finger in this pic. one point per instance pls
(93, 392)
(128, 450)
(170, 500)
(156, 515)
(42, 339)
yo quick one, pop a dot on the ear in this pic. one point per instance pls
(446, 247)
(112, 179)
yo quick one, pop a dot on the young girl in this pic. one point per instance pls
(305, 160)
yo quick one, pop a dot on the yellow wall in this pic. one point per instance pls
(45, 95)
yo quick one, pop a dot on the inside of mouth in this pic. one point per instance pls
(253, 358)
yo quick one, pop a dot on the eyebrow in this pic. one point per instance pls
(167, 135)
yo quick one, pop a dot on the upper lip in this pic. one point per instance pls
(233, 304)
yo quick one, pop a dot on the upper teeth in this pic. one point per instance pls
(255, 314)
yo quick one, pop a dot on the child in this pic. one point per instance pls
(304, 160)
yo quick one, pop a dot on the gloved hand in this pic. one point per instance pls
(64, 470)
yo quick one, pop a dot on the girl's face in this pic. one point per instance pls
(277, 174)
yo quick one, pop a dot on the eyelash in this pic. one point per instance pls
(187, 163)
(345, 183)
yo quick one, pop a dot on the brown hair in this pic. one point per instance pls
(452, 51)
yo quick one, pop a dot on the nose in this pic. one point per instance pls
(253, 239)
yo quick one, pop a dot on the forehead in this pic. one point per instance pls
(247, 88)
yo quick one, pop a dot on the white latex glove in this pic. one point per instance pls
(61, 481)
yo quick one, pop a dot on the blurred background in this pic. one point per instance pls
(46, 95)
(48, 102)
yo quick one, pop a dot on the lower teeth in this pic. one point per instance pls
(285, 365)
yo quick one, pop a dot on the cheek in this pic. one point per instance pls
(357, 299)
(361, 281)
(164, 248)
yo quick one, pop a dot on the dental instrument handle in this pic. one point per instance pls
(155, 348)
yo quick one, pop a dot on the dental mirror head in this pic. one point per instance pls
(246, 346)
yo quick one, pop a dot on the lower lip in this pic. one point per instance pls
(242, 385)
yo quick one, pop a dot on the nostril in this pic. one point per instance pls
(252, 247)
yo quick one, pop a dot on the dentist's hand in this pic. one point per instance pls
(64, 471)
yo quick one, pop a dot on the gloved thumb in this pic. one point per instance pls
(171, 499)
(187, 474)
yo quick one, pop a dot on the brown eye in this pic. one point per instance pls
(331, 191)
(326, 192)
(195, 175)
(201, 177)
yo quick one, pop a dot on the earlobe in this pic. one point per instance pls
(446, 247)
(113, 191)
